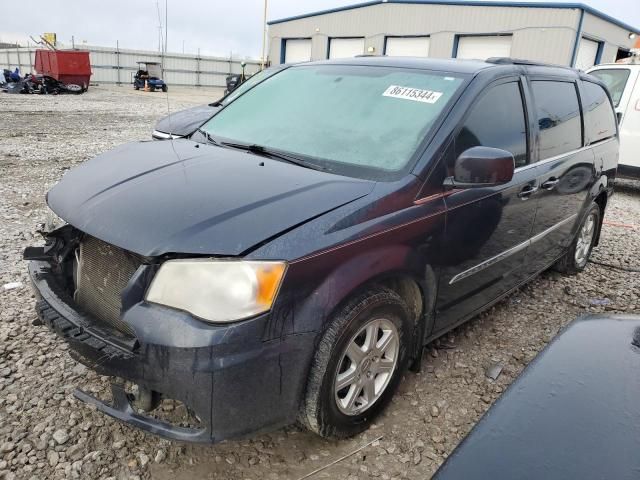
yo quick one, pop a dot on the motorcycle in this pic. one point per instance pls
(38, 84)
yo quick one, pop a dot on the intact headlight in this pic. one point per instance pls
(217, 290)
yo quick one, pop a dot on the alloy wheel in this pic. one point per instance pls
(366, 366)
(585, 239)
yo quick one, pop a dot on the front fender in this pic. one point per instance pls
(406, 244)
(351, 276)
(317, 286)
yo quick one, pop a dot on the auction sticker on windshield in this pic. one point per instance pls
(415, 94)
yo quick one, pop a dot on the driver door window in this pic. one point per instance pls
(497, 120)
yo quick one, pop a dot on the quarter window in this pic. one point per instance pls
(599, 117)
(497, 121)
(558, 116)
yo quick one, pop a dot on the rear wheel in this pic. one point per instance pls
(73, 88)
(358, 364)
(576, 258)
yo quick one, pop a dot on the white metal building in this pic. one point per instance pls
(560, 33)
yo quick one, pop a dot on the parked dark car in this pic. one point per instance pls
(573, 412)
(292, 258)
(185, 122)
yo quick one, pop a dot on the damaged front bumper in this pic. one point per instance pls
(230, 376)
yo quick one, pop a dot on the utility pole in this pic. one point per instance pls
(166, 26)
(118, 59)
(161, 43)
(264, 36)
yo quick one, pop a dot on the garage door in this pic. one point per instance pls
(346, 47)
(297, 50)
(407, 47)
(484, 47)
(587, 53)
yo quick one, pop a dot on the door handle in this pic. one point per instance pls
(527, 191)
(550, 184)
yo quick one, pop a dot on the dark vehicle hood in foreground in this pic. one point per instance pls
(179, 196)
(185, 122)
(574, 413)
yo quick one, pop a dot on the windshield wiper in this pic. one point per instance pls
(209, 138)
(267, 152)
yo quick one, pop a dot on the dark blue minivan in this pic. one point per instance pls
(291, 258)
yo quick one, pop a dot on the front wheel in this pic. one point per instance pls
(576, 258)
(165, 88)
(358, 364)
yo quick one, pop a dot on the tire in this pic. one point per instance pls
(577, 257)
(136, 87)
(165, 88)
(73, 88)
(325, 410)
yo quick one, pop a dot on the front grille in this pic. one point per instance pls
(103, 272)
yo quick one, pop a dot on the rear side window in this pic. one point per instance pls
(497, 121)
(615, 79)
(599, 117)
(558, 116)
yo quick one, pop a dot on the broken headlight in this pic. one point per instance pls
(51, 222)
(217, 290)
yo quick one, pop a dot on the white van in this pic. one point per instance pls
(623, 81)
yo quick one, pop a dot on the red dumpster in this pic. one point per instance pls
(67, 66)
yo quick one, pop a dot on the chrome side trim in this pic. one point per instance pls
(542, 234)
(507, 253)
(562, 155)
(489, 262)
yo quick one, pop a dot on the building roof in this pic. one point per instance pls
(471, 3)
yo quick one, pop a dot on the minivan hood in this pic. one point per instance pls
(179, 196)
(185, 122)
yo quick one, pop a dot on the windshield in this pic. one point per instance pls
(248, 84)
(342, 116)
(154, 70)
(615, 79)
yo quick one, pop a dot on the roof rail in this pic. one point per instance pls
(519, 61)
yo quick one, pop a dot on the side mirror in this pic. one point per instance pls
(482, 167)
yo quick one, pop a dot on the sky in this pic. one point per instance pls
(217, 27)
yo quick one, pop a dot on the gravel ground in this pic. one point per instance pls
(46, 433)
